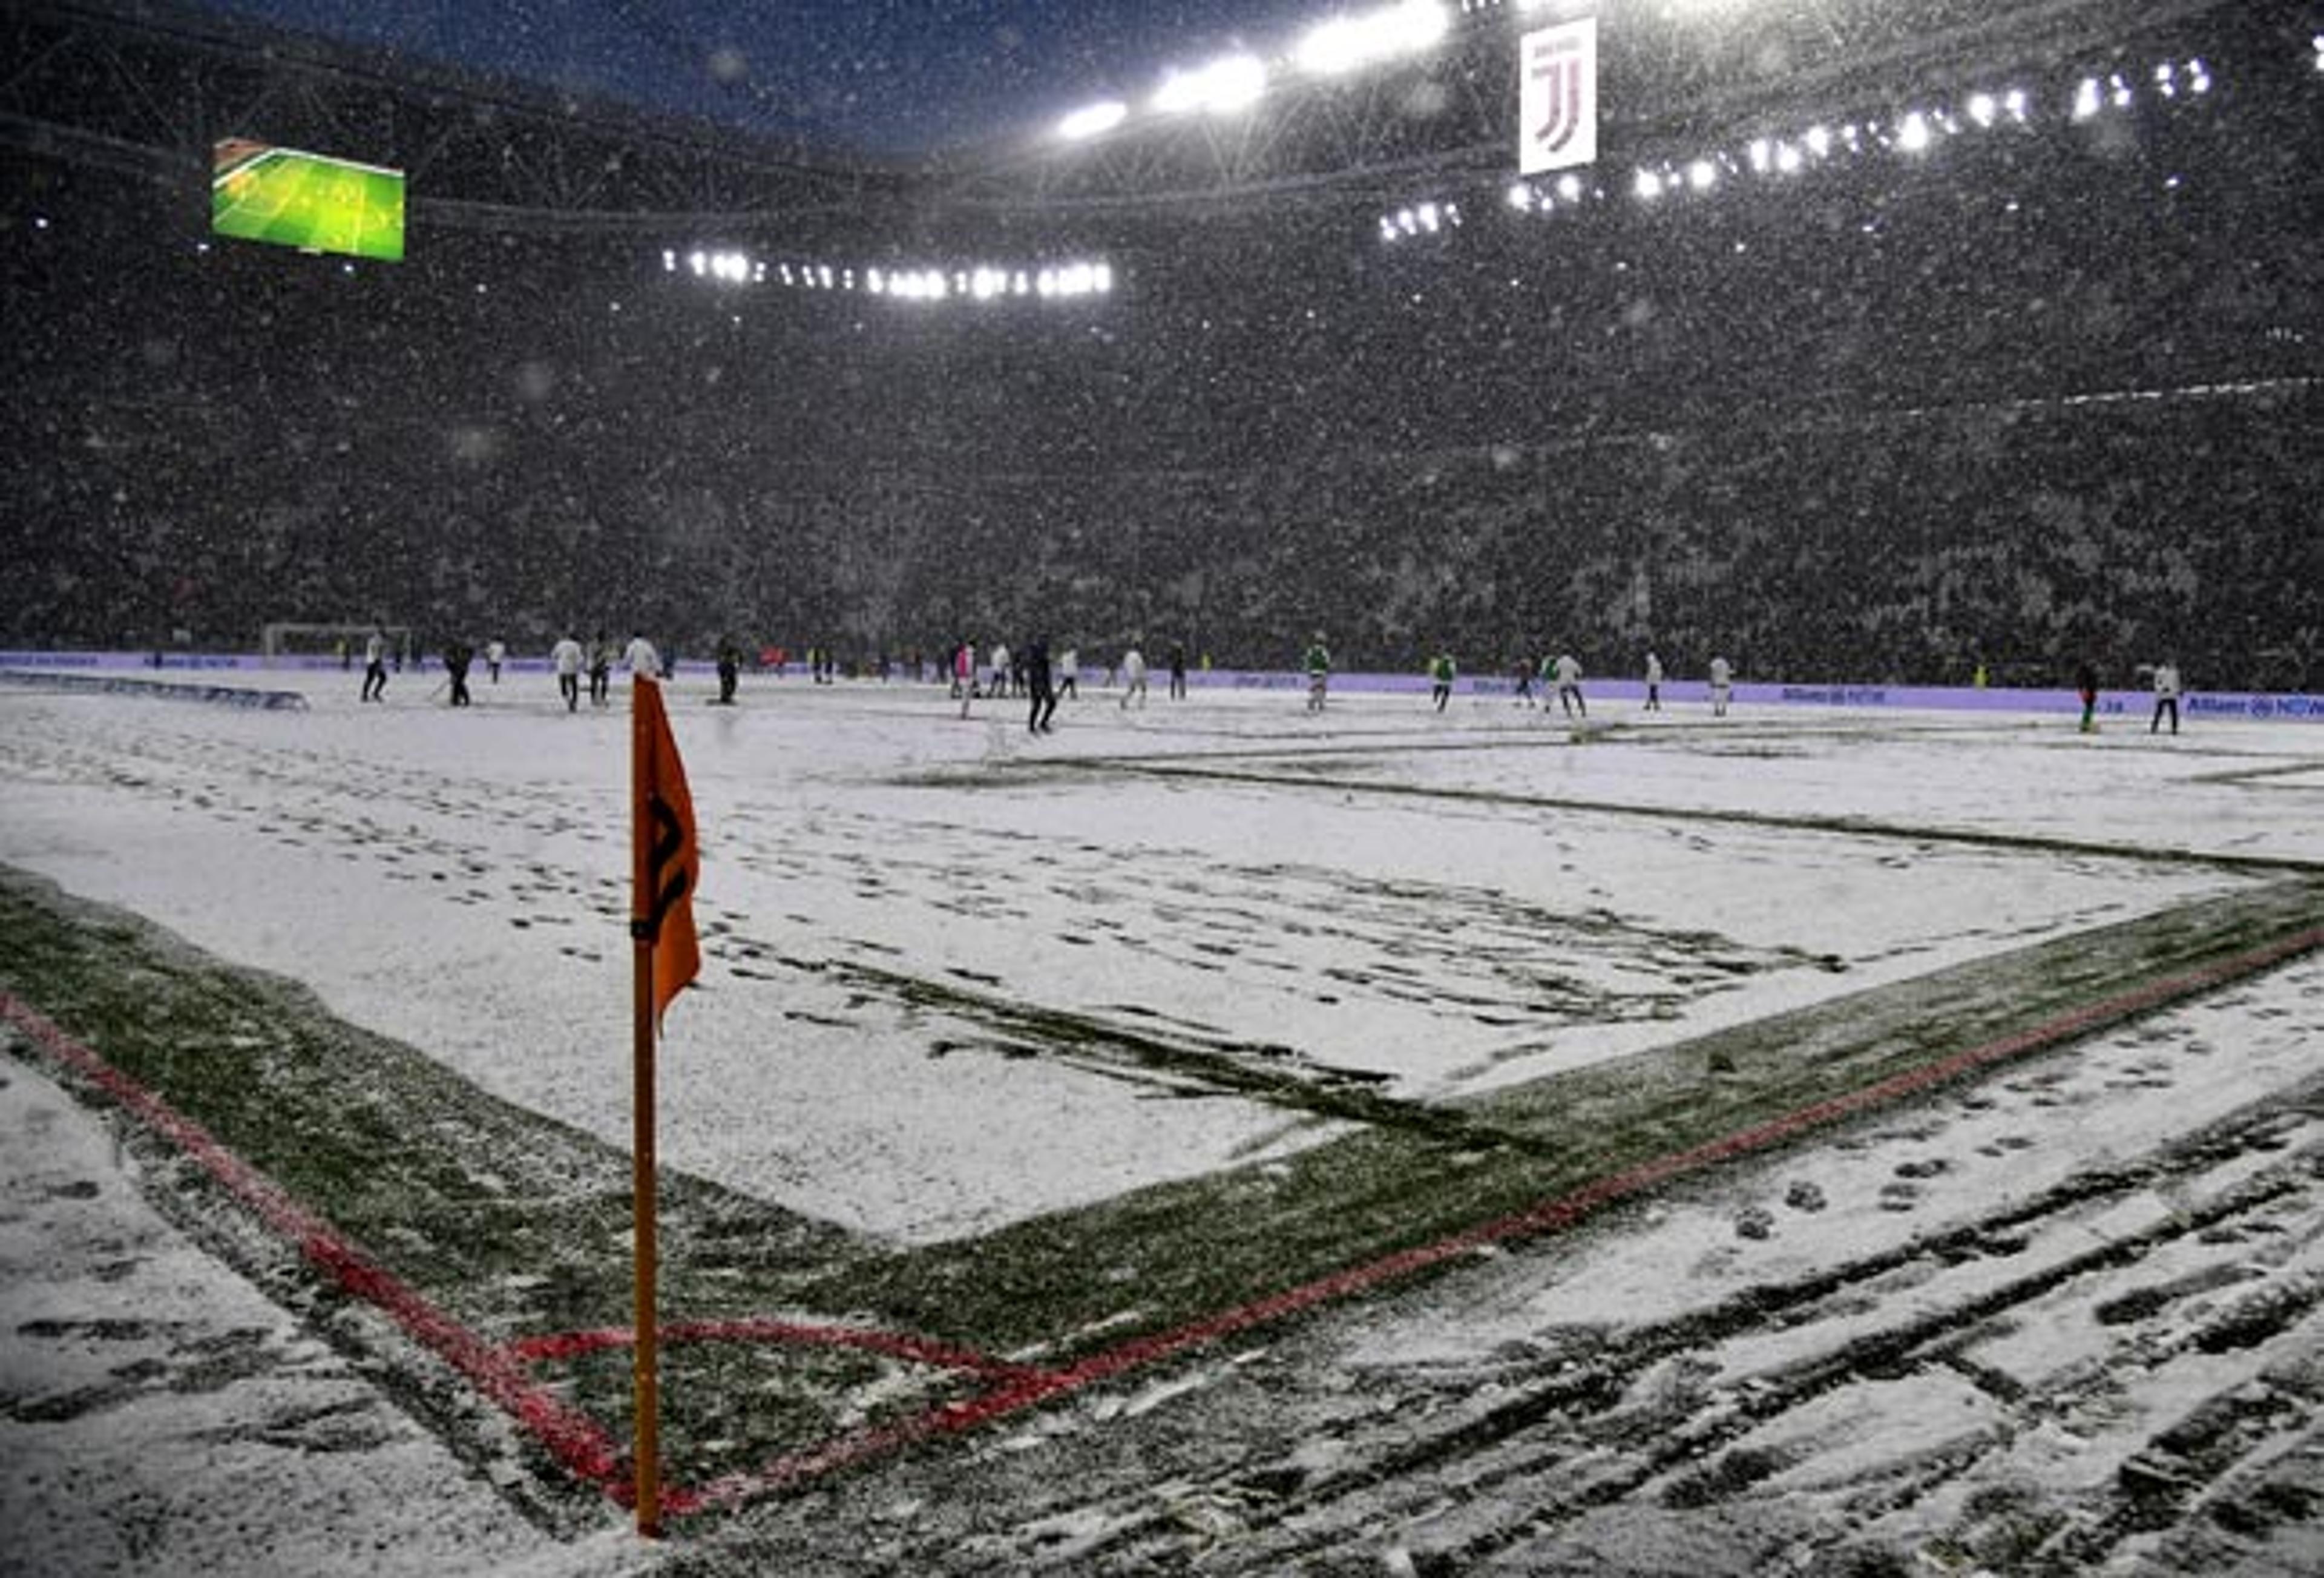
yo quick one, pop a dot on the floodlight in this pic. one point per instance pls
(698, 262)
(1024, 285)
(1103, 273)
(669, 260)
(1762, 154)
(2086, 99)
(1520, 196)
(2198, 77)
(2014, 103)
(1569, 187)
(2121, 91)
(1913, 133)
(1345, 43)
(1092, 120)
(875, 282)
(1982, 109)
(1788, 159)
(1649, 185)
(1428, 217)
(1818, 141)
(1702, 175)
(1231, 83)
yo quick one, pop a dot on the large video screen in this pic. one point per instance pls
(259, 192)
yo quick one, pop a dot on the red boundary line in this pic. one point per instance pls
(562, 1345)
(582, 1444)
(1549, 1216)
(571, 1436)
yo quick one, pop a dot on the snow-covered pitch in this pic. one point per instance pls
(961, 984)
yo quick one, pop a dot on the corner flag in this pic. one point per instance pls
(668, 864)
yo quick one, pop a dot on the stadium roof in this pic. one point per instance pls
(882, 78)
(622, 113)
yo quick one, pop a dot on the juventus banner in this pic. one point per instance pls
(1557, 98)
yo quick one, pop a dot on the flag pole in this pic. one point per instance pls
(645, 1360)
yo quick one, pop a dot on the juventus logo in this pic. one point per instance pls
(1557, 98)
(1562, 91)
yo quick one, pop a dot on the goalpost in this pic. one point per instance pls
(292, 642)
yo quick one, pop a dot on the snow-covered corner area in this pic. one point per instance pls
(1446, 905)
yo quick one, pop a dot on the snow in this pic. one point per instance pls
(456, 880)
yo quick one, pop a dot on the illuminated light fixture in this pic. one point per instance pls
(1702, 175)
(2198, 77)
(2086, 99)
(699, 263)
(1569, 187)
(1763, 154)
(1913, 133)
(2014, 102)
(1024, 283)
(1092, 120)
(1520, 196)
(758, 273)
(1788, 158)
(2121, 91)
(1818, 141)
(1388, 232)
(1103, 273)
(1648, 186)
(1224, 85)
(669, 260)
(875, 281)
(1349, 43)
(1429, 218)
(1982, 109)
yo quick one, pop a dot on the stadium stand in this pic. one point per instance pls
(2047, 393)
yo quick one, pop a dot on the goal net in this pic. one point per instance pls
(302, 643)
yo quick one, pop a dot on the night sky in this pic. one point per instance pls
(882, 77)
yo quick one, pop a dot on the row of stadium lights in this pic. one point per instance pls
(1064, 282)
(1339, 47)
(1914, 133)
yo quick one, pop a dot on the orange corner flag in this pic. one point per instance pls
(668, 863)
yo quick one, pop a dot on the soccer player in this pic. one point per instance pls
(1441, 672)
(1569, 685)
(1722, 680)
(1038, 681)
(565, 657)
(600, 671)
(1654, 683)
(375, 685)
(1133, 679)
(1317, 661)
(2166, 695)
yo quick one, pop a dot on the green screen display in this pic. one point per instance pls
(263, 193)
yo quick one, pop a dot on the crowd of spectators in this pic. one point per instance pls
(2051, 397)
